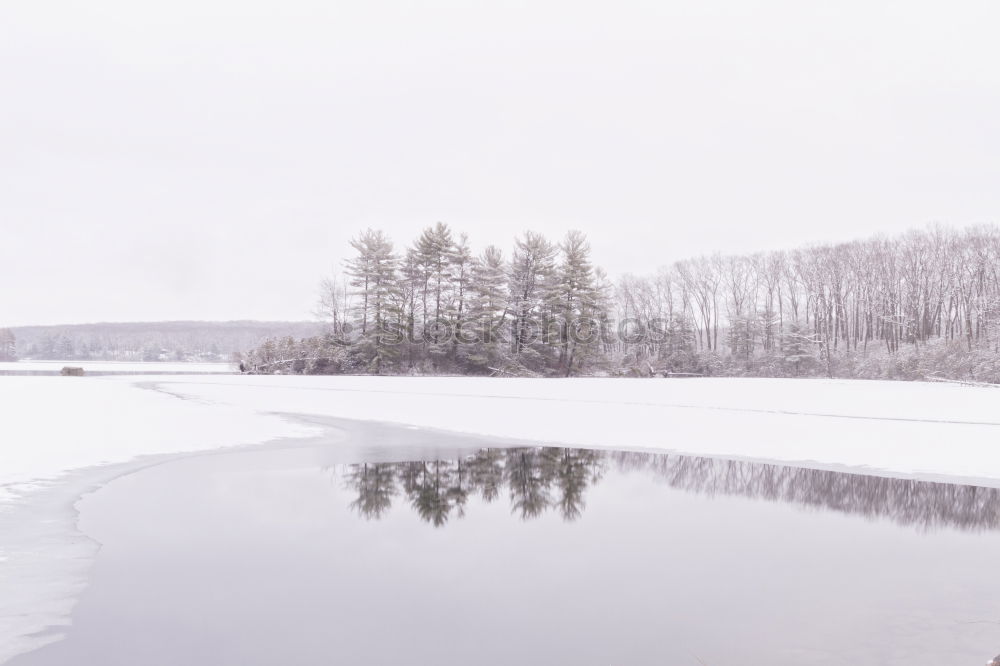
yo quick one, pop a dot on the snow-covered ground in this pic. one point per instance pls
(927, 430)
(52, 425)
(116, 366)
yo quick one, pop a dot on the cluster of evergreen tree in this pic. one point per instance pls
(437, 308)
(926, 303)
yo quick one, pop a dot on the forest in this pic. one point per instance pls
(925, 304)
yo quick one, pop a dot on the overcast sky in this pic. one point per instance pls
(210, 159)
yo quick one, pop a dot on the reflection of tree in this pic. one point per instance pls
(528, 482)
(486, 473)
(427, 490)
(536, 479)
(541, 478)
(904, 501)
(458, 490)
(572, 471)
(375, 484)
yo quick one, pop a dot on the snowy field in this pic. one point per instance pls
(54, 424)
(51, 425)
(927, 430)
(115, 366)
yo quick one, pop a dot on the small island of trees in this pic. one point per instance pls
(925, 304)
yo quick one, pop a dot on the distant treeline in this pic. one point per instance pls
(926, 303)
(8, 345)
(146, 341)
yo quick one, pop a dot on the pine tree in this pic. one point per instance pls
(410, 283)
(482, 335)
(573, 299)
(461, 278)
(531, 273)
(373, 274)
(434, 255)
(679, 351)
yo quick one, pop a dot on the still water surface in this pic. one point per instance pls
(412, 552)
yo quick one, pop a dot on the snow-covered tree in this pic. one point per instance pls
(574, 300)
(482, 336)
(373, 275)
(798, 349)
(927, 302)
(8, 345)
(531, 273)
(434, 255)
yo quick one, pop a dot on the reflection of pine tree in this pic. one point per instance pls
(437, 489)
(430, 490)
(573, 470)
(409, 475)
(457, 493)
(486, 473)
(529, 485)
(375, 485)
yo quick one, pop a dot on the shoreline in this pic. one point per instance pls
(45, 556)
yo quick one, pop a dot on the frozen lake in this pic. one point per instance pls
(405, 546)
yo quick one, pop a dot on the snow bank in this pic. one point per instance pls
(54, 424)
(927, 430)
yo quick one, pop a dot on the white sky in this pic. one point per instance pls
(209, 159)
